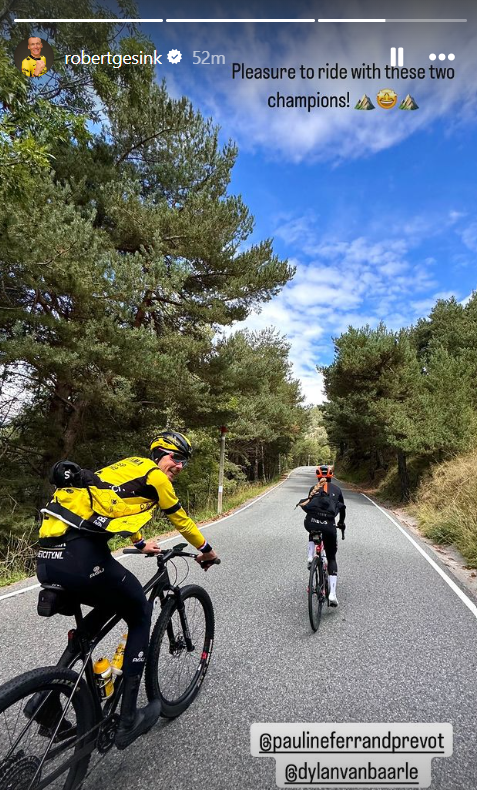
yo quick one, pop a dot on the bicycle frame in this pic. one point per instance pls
(319, 546)
(100, 734)
(317, 538)
(81, 646)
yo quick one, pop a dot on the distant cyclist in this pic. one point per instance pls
(323, 503)
(87, 509)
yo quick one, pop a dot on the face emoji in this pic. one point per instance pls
(386, 98)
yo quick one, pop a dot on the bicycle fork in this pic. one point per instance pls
(176, 641)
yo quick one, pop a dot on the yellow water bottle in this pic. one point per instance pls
(118, 658)
(104, 677)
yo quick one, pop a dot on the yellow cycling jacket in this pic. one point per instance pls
(118, 499)
(29, 65)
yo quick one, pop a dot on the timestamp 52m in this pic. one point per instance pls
(208, 59)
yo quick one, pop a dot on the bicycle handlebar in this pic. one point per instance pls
(170, 554)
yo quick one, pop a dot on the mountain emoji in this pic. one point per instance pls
(408, 103)
(364, 103)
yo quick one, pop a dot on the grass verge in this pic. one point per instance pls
(446, 506)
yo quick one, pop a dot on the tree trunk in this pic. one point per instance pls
(403, 476)
(72, 429)
(373, 464)
(56, 420)
(208, 491)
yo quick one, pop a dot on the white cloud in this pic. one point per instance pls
(312, 387)
(469, 236)
(467, 298)
(455, 216)
(308, 294)
(333, 135)
(422, 307)
(342, 281)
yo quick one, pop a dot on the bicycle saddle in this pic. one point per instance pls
(54, 599)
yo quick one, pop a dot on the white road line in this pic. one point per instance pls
(174, 537)
(463, 597)
(19, 592)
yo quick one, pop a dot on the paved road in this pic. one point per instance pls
(401, 647)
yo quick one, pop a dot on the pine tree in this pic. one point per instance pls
(121, 255)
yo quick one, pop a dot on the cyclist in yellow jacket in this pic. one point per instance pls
(86, 510)
(34, 65)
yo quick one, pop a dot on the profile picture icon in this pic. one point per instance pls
(33, 56)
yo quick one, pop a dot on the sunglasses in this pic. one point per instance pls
(178, 459)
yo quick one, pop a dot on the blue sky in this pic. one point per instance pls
(377, 210)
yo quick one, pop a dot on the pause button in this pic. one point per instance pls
(400, 56)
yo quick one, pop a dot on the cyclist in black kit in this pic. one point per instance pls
(86, 510)
(323, 503)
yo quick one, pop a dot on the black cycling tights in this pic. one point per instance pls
(330, 540)
(86, 568)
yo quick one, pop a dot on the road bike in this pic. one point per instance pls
(53, 718)
(318, 585)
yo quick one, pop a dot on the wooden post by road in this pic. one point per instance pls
(223, 431)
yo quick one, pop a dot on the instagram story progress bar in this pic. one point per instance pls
(109, 20)
(392, 20)
(201, 21)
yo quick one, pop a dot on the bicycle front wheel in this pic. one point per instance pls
(175, 670)
(315, 593)
(45, 731)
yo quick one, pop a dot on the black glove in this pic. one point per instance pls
(342, 527)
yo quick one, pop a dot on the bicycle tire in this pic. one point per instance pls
(315, 593)
(165, 658)
(20, 764)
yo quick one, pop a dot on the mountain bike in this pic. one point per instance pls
(53, 718)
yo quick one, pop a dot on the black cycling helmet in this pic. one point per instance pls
(169, 441)
(324, 470)
(66, 473)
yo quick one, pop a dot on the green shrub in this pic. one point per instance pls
(18, 558)
(446, 505)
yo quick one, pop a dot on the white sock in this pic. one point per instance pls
(311, 550)
(333, 580)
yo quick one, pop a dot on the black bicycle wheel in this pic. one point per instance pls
(315, 593)
(173, 673)
(43, 744)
